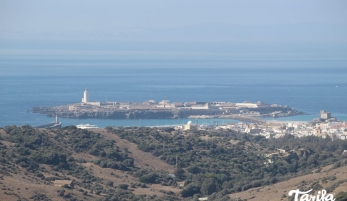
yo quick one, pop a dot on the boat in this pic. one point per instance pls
(86, 126)
(55, 124)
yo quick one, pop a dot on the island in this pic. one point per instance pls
(166, 110)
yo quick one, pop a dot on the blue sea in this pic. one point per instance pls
(46, 77)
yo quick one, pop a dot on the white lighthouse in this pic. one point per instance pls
(85, 96)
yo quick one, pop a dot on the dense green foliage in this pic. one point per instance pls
(341, 196)
(215, 161)
(211, 163)
(54, 147)
(86, 141)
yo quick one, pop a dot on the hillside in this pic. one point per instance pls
(327, 178)
(32, 159)
(138, 163)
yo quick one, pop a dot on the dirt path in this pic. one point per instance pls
(141, 159)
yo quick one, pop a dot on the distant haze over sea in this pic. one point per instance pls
(306, 77)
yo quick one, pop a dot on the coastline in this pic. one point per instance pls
(41, 119)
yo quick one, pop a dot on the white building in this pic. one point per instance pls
(188, 126)
(85, 96)
(164, 102)
(200, 107)
(247, 104)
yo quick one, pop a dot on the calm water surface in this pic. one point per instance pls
(307, 85)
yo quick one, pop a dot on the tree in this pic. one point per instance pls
(193, 169)
(148, 178)
(179, 173)
(208, 186)
(190, 190)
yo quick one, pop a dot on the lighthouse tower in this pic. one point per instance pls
(85, 96)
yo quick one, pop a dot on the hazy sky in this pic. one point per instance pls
(107, 15)
(151, 27)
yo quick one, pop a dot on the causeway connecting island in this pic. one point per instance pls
(165, 109)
